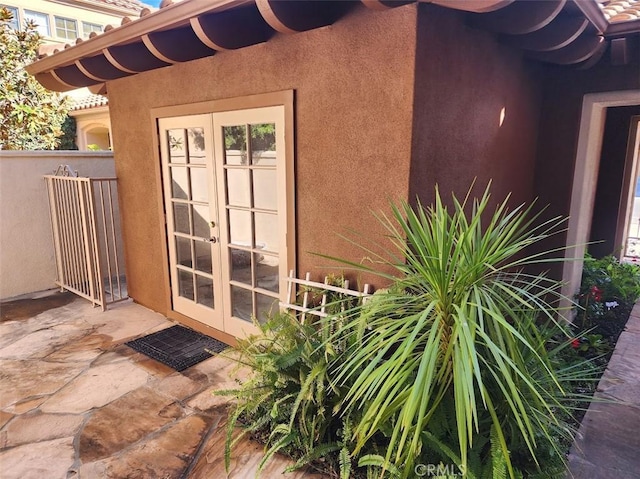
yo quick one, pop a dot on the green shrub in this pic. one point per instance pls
(615, 281)
(457, 364)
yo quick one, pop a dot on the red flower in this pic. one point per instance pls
(575, 344)
(595, 293)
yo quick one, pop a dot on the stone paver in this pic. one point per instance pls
(76, 403)
(96, 387)
(50, 459)
(176, 386)
(40, 344)
(123, 423)
(608, 443)
(165, 455)
(38, 426)
(20, 380)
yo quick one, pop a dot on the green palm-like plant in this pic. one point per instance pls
(458, 325)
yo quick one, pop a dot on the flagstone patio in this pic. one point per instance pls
(75, 402)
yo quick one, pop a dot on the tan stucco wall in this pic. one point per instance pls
(464, 79)
(27, 262)
(353, 85)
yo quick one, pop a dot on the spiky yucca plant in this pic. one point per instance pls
(453, 365)
(458, 328)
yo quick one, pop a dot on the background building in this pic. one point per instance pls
(71, 21)
(63, 21)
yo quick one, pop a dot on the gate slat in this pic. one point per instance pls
(85, 254)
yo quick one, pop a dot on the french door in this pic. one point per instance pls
(225, 193)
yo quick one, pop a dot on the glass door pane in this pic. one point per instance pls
(192, 217)
(252, 216)
(250, 156)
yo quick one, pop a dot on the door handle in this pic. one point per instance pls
(210, 240)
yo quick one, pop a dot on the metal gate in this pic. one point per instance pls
(86, 233)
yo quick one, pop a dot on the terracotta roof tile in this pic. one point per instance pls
(616, 11)
(86, 102)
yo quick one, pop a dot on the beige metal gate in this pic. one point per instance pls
(86, 234)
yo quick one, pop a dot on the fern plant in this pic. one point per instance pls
(290, 400)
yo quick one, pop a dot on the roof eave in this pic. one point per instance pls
(161, 19)
(623, 28)
(592, 12)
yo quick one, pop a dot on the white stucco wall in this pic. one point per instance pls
(27, 261)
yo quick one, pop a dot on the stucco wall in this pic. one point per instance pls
(563, 93)
(464, 80)
(564, 90)
(27, 261)
(353, 85)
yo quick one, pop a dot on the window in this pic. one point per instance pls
(15, 21)
(66, 28)
(41, 20)
(87, 28)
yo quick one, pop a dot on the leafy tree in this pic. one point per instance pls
(67, 140)
(31, 117)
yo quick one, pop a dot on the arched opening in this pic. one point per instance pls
(97, 138)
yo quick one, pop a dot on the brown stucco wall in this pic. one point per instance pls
(561, 107)
(563, 92)
(610, 180)
(353, 85)
(464, 78)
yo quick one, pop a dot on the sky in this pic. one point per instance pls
(153, 3)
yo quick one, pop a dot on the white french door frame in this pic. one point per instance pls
(229, 326)
(232, 324)
(209, 315)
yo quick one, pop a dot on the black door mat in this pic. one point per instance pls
(177, 347)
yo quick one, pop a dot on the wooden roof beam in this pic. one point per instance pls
(620, 51)
(98, 89)
(385, 4)
(300, 15)
(72, 75)
(133, 58)
(474, 6)
(99, 68)
(593, 59)
(558, 34)
(232, 29)
(176, 45)
(584, 47)
(520, 18)
(51, 82)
